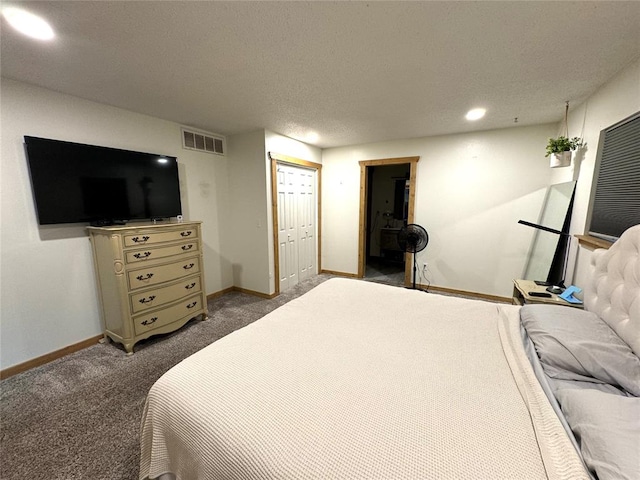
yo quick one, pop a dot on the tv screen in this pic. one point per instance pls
(74, 183)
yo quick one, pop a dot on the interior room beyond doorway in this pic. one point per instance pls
(387, 212)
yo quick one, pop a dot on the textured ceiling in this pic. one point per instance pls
(350, 72)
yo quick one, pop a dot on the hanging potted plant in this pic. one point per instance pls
(560, 148)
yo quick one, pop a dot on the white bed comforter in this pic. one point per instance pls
(357, 380)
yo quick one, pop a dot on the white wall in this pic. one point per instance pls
(471, 190)
(616, 100)
(249, 225)
(246, 224)
(276, 143)
(48, 292)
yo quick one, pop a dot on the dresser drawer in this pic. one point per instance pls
(150, 278)
(161, 252)
(160, 296)
(153, 275)
(187, 308)
(151, 237)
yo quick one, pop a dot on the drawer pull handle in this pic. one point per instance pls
(187, 267)
(191, 305)
(190, 286)
(150, 321)
(147, 300)
(185, 234)
(140, 239)
(187, 247)
(142, 278)
(142, 255)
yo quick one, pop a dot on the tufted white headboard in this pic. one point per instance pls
(613, 291)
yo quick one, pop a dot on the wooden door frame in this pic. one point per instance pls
(296, 162)
(364, 195)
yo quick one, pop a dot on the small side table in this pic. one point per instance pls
(389, 246)
(521, 296)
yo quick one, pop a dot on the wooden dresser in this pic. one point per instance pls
(150, 278)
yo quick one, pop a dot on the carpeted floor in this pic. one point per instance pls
(79, 416)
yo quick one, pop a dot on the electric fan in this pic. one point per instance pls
(413, 239)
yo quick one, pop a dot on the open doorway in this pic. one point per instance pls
(387, 212)
(387, 189)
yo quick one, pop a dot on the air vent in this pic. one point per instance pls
(203, 142)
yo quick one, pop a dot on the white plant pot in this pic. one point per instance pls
(562, 159)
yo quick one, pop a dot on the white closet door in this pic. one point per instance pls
(306, 225)
(287, 228)
(296, 224)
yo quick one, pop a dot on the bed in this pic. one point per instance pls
(360, 380)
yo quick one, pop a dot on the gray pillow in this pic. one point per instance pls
(608, 429)
(574, 344)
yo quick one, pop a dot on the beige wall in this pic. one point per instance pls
(616, 100)
(471, 190)
(48, 294)
(246, 225)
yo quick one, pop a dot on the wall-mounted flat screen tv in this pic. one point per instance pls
(75, 183)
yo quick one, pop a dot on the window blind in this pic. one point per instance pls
(615, 204)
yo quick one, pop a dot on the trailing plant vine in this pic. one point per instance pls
(562, 144)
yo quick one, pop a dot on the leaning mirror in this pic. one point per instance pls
(547, 254)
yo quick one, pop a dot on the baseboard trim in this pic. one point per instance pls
(340, 274)
(49, 357)
(255, 294)
(482, 296)
(213, 296)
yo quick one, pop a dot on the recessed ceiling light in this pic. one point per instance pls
(475, 114)
(28, 23)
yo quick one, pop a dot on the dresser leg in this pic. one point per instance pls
(105, 339)
(129, 348)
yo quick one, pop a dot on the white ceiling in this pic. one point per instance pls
(350, 72)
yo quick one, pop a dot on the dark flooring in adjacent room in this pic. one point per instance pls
(384, 271)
